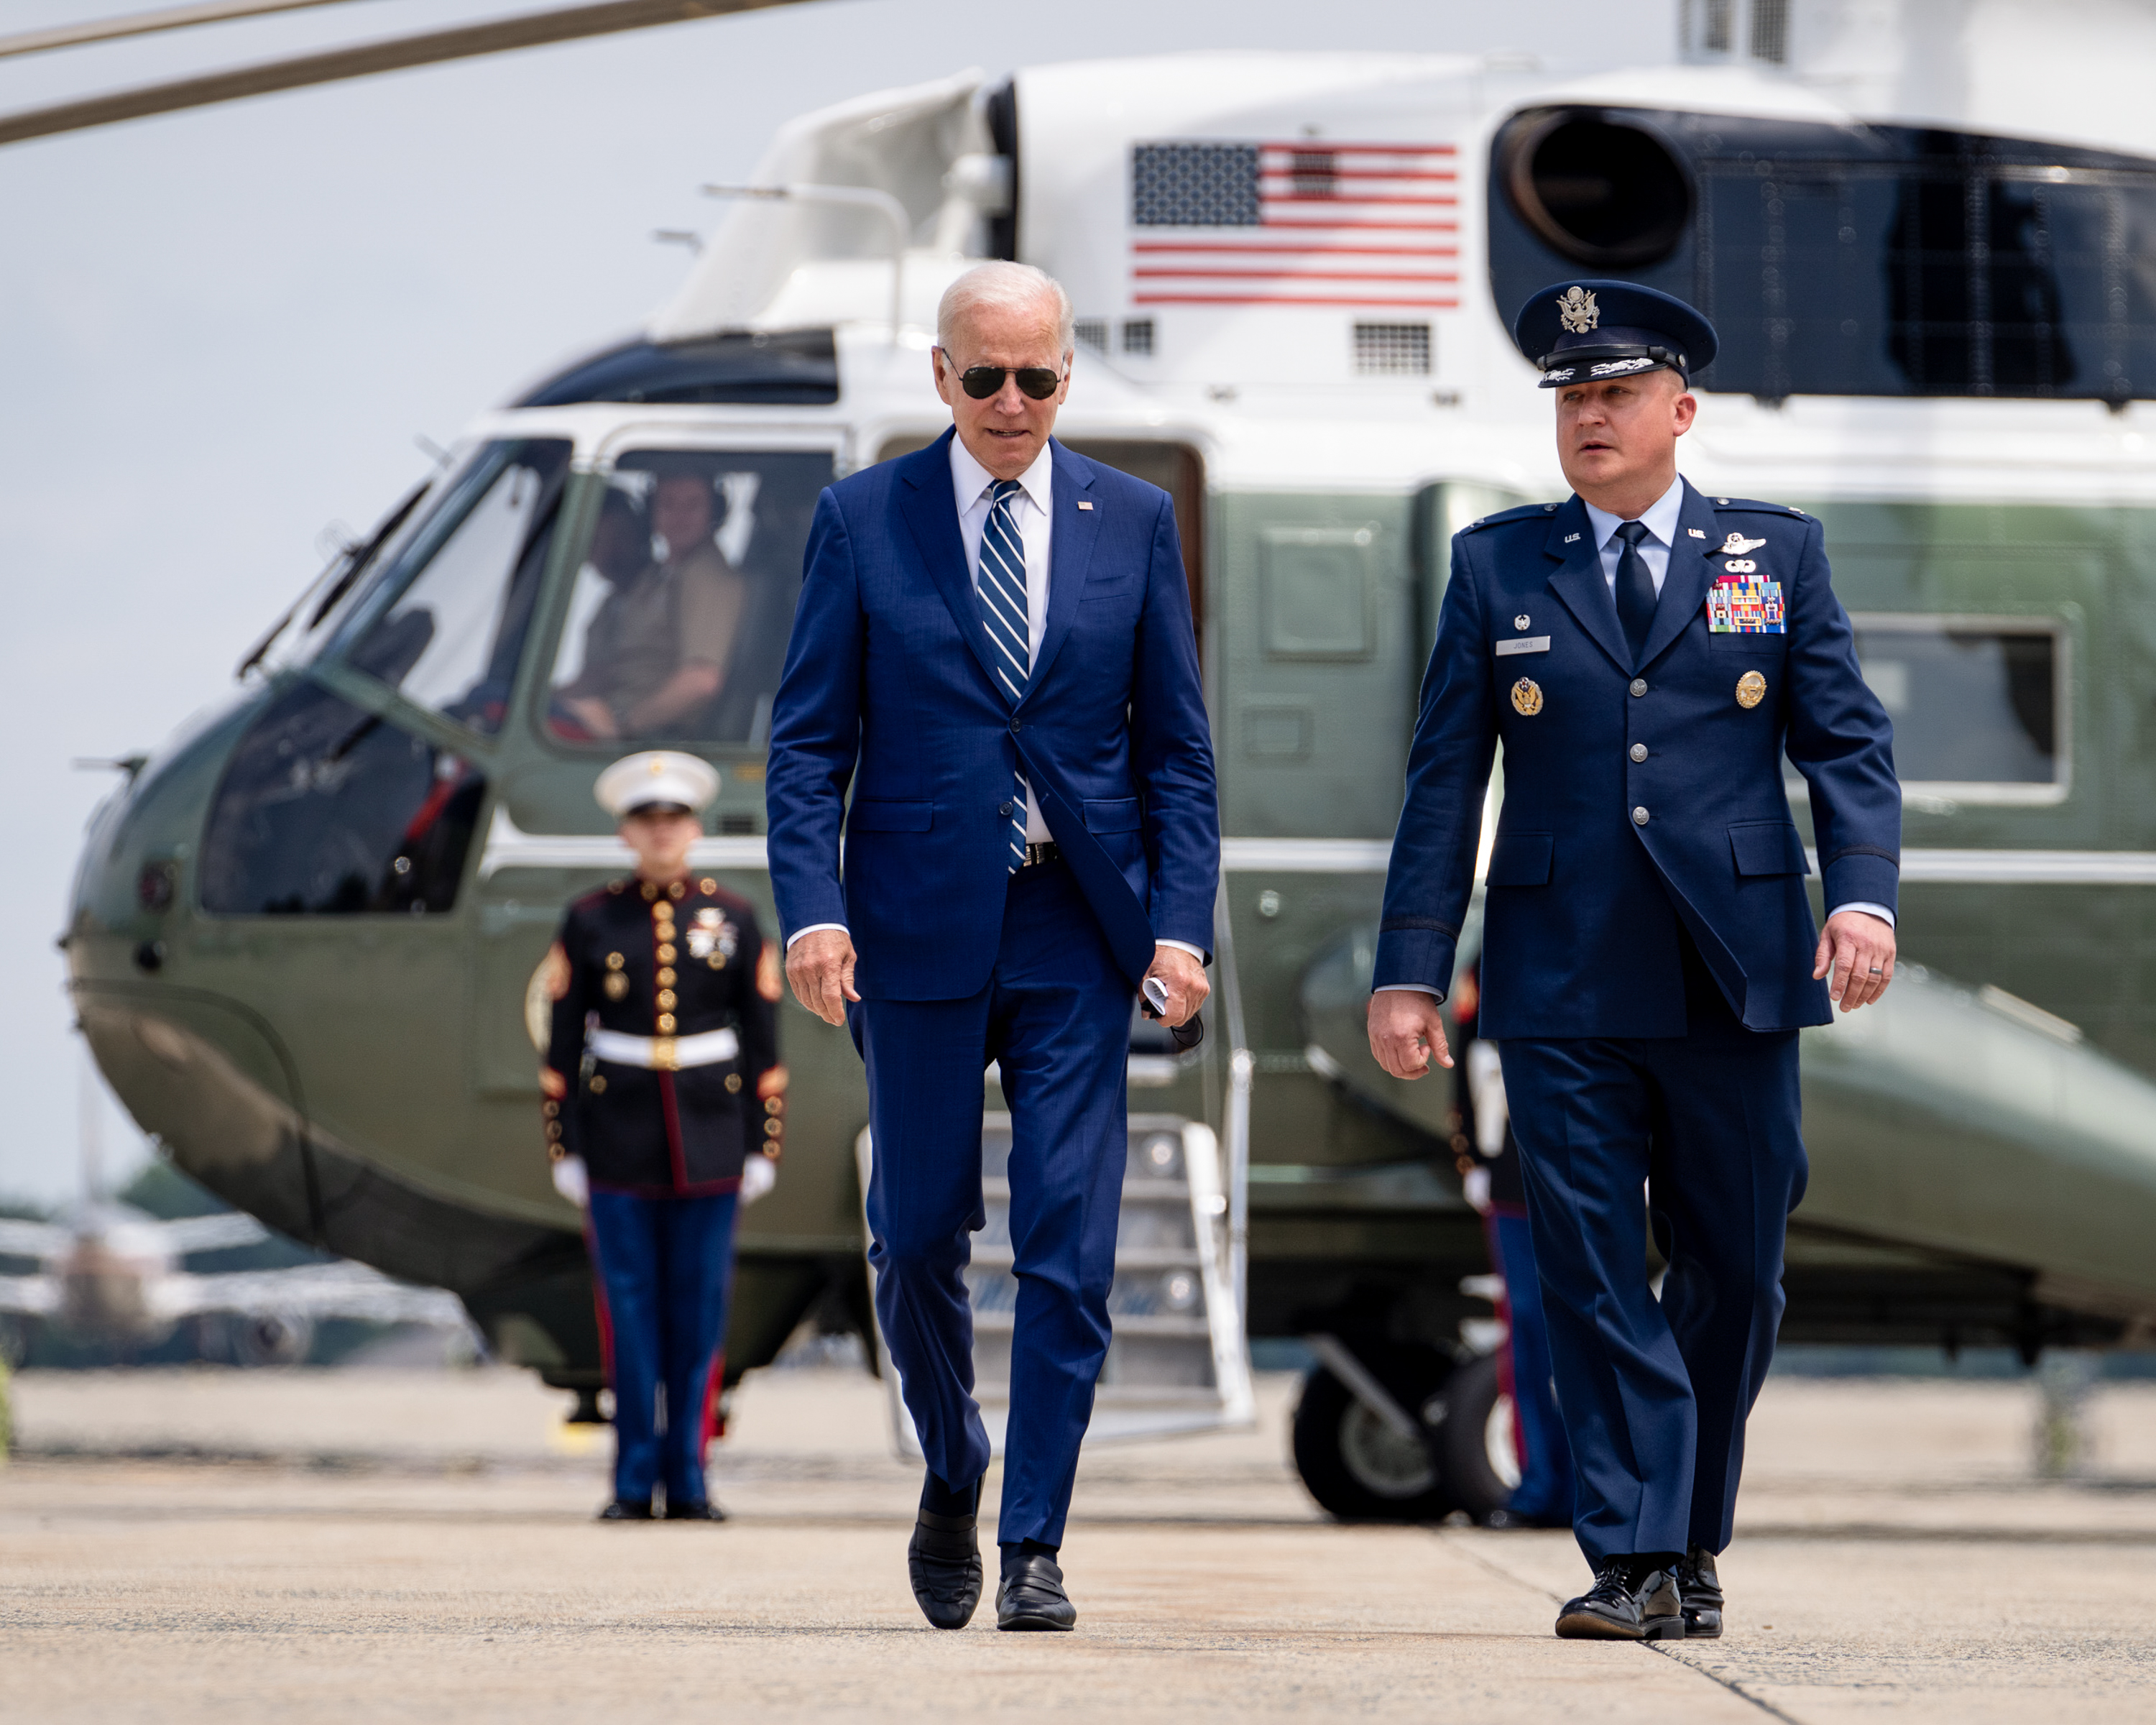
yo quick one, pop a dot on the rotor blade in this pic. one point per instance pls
(396, 53)
(147, 23)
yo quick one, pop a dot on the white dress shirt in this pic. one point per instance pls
(971, 486)
(1660, 518)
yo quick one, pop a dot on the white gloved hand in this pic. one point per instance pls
(572, 1182)
(759, 1174)
(1475, 1188)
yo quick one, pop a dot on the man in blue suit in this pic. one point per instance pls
(1647, 656)
(995, 648)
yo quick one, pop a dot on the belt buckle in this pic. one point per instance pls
(665, 1056)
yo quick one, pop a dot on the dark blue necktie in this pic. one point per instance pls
(1005, 616)
(1635, 589)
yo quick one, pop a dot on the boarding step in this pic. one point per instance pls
(1178, 1361)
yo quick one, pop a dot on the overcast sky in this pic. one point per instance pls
(220, 331)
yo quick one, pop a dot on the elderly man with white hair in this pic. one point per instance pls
(994, 650)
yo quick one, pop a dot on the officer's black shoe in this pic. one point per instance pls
(1624, 1606)
(627, 1509)
(694, 1509)
(1700, 1589)
(943, 1561)
(1030, 1596)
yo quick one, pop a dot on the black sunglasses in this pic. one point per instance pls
(1035, 383)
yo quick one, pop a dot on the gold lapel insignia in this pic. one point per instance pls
(1751, 690)
(1527, 697)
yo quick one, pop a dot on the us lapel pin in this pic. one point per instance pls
(1084, 506)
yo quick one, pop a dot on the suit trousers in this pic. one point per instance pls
(1654, 1392)
(1056, 1017)
(665, 1265)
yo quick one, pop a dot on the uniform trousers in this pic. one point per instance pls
(666, 1265)
(1544, 1492)
(1655, 1393)
(1056, 1017)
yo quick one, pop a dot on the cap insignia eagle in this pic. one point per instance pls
(1577, 311)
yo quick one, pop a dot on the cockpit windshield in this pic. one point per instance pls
(444, 623)
(678, 624)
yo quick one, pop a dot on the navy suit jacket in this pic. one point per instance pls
(1596, 856)
(888, 686)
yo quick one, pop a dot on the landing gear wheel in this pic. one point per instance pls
(1357, 1467)
(1476, 1444)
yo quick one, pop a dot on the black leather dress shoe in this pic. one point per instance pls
(627, 1509)
(694, 1509)
(1701, 1589)
(1030, 1596)
(1619, 1609)
(943, 1561)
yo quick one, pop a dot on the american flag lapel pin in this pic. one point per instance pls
(1084, 506)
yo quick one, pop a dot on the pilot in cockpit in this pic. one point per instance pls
(655, 654)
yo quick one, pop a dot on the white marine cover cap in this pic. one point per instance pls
(656, 776)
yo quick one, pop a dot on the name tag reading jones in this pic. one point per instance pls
(1522, 644)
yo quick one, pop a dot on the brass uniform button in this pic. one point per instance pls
(676, 891)
(550, 1108)
(716, 962)
(616, 986)
(772, 1105)
(1751, 690)
(666, 978)
(650, 892)
(772, 1128)
(615, 961)
(707, 886)
(733, 1081)
(666, 1001)
(598, 1084)
(665, 1024)
(555, 1153)
(554, 1130)
(665, 954)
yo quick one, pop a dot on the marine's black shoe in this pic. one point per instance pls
(1700, 1589)
(1618, 1608)
(943, 1561)
(627, 1509)
(694, 1509)
(1030, 1596)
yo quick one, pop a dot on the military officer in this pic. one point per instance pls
(661, 1084)
(1647, 656)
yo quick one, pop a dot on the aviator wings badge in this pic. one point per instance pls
(1577, 311)
(1737, 545)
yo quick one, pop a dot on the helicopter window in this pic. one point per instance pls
(445, 623)
(677, 625)
(1845, 259)
(327, 809)
(1978, 703)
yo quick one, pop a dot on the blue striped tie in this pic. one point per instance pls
(1002, 604)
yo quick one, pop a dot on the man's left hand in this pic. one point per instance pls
(1857, 951)
(1185, 977)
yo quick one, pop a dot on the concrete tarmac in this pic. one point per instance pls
(230, 1547)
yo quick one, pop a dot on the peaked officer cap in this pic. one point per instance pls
(657, 779)
(1588, 331)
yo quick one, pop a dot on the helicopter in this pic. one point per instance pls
(305, 937)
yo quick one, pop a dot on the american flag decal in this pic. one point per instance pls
(1294, 224)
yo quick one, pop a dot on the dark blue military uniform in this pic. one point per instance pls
(662, 1143)
(1648, 951)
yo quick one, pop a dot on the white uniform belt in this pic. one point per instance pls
(663, 1054)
